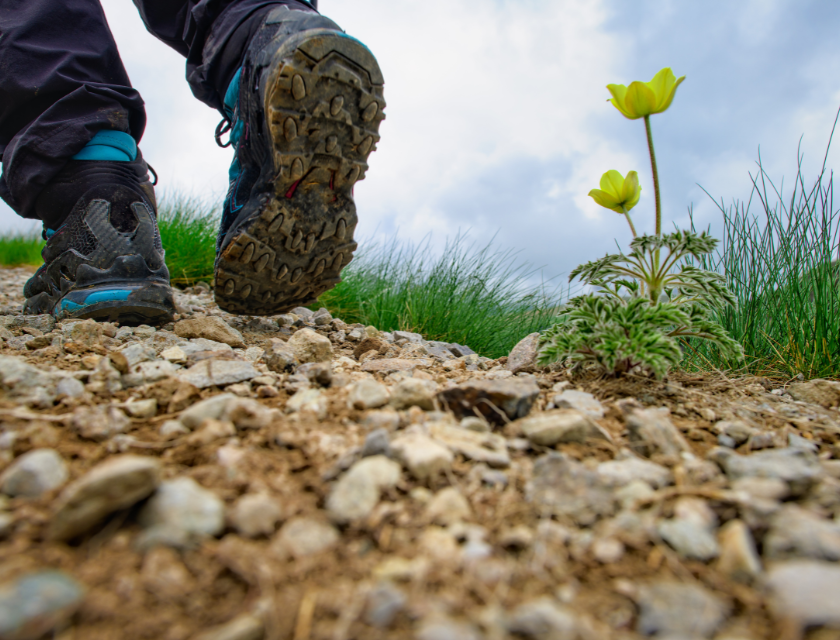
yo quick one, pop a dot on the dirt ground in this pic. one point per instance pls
(478, 548)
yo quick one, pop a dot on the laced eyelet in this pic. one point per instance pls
(221, 129)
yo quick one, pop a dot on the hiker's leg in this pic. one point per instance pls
(211, 34)
(61, 81)
(69, 122)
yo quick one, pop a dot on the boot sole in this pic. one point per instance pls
(323, 106)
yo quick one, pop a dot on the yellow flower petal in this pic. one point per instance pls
(632, 191)
(669, 98)
(605, 200)
(613, 183)
(619, 92)
(640, 100)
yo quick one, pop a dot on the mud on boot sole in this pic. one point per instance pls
(323, 105)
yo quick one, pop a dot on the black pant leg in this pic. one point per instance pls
(212, 34)
(61, 81)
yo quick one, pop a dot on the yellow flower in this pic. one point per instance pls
(617, 191)
(645, 98)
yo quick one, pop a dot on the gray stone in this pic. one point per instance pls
(739, 559)
(357, 492)
(301, 537)
(651, 432)
(414, 392)
(202, 345)
(38, 603)
(384, 603)
(473, 445)
(208, 373)
(393, 365)
(280, 357)
(739, 432)
(496, 400)
(627, 467)
(407, 336)
(805, 591)
(563, 487)
(543, 619)
(34, 473)
(447, 507)
(183, 504)
(209, 328)
(255, 515)
(443, 628)
(799, 468)
(802, 443)
(387, 419)
(473, 423)
(84, 332)
(422, 456)
(580, 400)
(70, 387)
(243, 627)
(99, 422)
(131, 355)
(523, 357)
(149, 372)
(322, 317)
(309, 346)
(303, 312)
(309, 401)
(377, 443)
(560, 425)
(679, 610)
(368, 394)
(825, 393)
(213, 408)
(319, 373)
(115, 484)
(142, 409)
(797, 532)
(689, 539)
(44, 323)
(27, 384)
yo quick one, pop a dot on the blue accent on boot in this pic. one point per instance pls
(115, 146)
(49, 233)
(237, 128)
(93, 298)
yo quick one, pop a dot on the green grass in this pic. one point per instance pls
(781, 265)
(20, 248)
(469, 294)
(188, 232)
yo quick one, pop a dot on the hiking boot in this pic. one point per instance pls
(103, 258)
(304, 113)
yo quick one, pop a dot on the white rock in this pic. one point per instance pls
(581, 401)
(357, 492)
(627, 467)
(309, 346)
(805, 591)
(301, 537)
(34, 473)
(115, 484)
(99, 422)
(738, 557)
(210, 328)
(368, 394)
(422, 456)
(560, 425)
(208, 373)
(414, 392)
(308, 400)
(149, 372)
(70, 387)
(142, 409)
(447, 507)
(184, 505)
(213, 407)
(255, 515)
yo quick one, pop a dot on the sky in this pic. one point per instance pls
(498, 122)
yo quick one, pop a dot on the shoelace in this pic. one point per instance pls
(221, 129)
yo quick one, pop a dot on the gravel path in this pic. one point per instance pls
(295, 477)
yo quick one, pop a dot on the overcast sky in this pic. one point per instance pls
(497, 120)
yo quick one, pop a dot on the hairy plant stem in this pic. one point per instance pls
(655, 176)
(655, 192)
(629, 220)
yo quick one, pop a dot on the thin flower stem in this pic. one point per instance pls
(629, 220)
(655, 176)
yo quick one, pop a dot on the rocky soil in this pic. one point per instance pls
(295, 477)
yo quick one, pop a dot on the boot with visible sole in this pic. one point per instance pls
(105, 259)
(306, 119)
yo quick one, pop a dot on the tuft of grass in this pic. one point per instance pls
(477, 296)
(188, 233)
(21, 248)
(782, 266)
